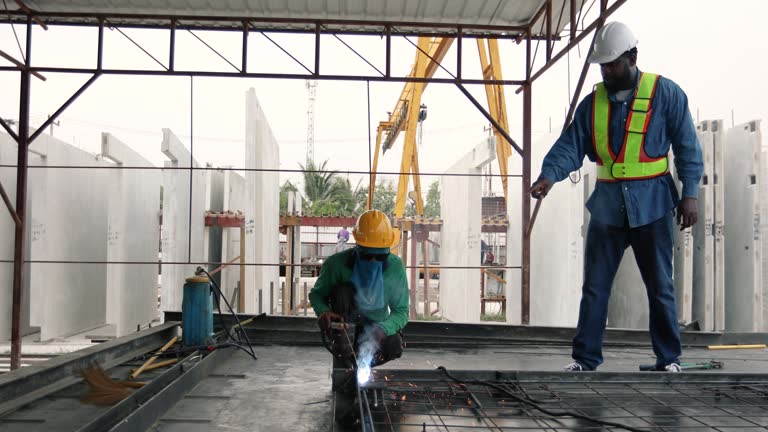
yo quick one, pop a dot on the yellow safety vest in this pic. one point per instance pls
(632, 162)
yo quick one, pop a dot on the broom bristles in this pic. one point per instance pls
(103, 390)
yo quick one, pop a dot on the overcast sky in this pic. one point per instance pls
(713, 49)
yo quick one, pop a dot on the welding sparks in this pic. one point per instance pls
(363, 374)
(368, 347)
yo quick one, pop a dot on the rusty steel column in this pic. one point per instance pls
(525, 288)
(21, 206)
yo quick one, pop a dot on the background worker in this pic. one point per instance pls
(342, 237)
(366, 286)
(627, 125)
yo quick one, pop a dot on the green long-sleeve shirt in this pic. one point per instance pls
(338, 268)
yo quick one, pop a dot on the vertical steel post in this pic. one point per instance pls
(388, 54)
(549, 30)
(271, 298)
(317, 49)
(21, 205)
(171, 46)
(525, 294)
(244, 54)
(458, 53)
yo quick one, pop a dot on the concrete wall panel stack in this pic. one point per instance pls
(263, 204)
(69, 222)
(460, 236)
(175, 236)
(703, 238)
(133, 207)
(743, 255)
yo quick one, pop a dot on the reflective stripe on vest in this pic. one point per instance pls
(632, 162)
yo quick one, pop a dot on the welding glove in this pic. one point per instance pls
(378, 334)
(326, 318)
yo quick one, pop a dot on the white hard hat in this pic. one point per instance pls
(611, 41)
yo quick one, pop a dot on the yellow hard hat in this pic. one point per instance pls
(373, 230)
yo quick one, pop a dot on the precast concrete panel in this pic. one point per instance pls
(682, 262)
(718, 182)
(293, 258)
(9, 156)
(703, 238)
(263, 205)
(214, 202)
(69, 223)
(234, 202)
(133, 212)
(743, 254)
(460, 236)
(763, 228)
(182, 244)
(556, 248)
(514, 252)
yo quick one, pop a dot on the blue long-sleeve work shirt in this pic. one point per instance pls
(639, 202)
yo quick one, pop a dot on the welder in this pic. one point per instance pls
(364, 287)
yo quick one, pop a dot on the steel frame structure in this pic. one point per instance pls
(525, 34)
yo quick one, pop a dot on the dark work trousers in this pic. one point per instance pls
(342, 302)
(652, 245)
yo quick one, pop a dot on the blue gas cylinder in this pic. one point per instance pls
(197, 311)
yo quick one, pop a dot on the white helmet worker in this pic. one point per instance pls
(611, 41)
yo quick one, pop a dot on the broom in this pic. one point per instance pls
(103, 390)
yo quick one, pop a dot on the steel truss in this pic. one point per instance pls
(525, 34)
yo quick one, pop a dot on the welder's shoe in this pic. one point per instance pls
(673, 367)
(574, 366)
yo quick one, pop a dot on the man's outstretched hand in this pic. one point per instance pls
(687, 213)
(326, 318)
(541, 188)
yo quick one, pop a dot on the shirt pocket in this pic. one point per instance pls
(656, 142)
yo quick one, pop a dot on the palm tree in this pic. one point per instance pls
(325, 192)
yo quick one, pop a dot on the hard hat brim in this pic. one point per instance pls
(595, 58)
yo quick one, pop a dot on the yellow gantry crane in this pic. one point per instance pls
(405, 116)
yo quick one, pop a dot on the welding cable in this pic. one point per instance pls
(537, 406)
(241, 330)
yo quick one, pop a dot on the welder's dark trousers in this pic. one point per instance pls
(342, 302)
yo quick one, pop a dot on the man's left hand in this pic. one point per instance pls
(687, 213)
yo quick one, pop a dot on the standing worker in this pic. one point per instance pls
(342, 237)
(627, 125)
(366, 286)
